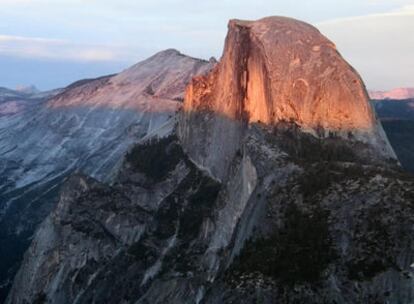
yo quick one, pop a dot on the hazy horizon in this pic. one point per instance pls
(50, 44)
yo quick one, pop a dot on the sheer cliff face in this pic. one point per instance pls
(273, 212)
(282, 229)
(279, 69)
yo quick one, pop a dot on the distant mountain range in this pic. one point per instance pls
(273, 182)
(395, 94)
(264, 178)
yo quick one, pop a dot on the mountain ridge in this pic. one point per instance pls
(395, 94)
(230, 209)
(88, 126)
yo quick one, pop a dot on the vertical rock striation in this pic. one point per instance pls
(276, 70)
(281, 194)
(87, 126)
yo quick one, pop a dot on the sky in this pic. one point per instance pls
(51, 43)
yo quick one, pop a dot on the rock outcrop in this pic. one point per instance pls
(87, 126)
(291, 209)
(279, 70)
(287, 226)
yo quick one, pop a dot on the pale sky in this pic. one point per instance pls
(50, 43)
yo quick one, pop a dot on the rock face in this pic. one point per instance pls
(289, 210)
(129, 231)
(279, 69)
(283, 228)
(87, 126)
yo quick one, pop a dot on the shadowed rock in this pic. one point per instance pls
(273, 70)
(290, 210)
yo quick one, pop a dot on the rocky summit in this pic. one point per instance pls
(278, 185)
(87, 126)
(278, 70)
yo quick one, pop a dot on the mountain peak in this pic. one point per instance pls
(279, 69)
(159, 80)
(273, 22)
(284, 69)
(27, 89)
(167, 53)
(171, 54)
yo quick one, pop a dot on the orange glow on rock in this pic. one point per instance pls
(279, 69)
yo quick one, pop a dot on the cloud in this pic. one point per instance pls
(55, 49)
(38, 2)
(406, 10)
(379, 46)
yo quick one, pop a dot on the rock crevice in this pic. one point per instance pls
(276, 70)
